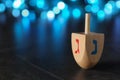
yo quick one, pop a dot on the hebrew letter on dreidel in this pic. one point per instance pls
(77, 50)
(90, 46)
(95, 50)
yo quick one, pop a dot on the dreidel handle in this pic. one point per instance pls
(87, 23)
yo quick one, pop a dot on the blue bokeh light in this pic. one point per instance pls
(101, 15)
(40, 3)
(108, 8)
(112, 3)
(61, 5)
(17, 7)
(88, 8)
(95, 8)
(76, 13)
(16, 12)
(118, 4)
(2, 7)
(17, 3)
(65, 13)
(56, 10)
(25, 13)
(8, 3)
(92, 1)
(114, 8)
(50, 15)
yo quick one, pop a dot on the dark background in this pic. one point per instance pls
(41, 48)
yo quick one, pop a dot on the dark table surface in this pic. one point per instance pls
(40, 53)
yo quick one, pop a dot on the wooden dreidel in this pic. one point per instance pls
(87, 47)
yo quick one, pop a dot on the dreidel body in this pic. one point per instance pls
(87, 47)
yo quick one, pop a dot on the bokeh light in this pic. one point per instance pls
(95, 8)
(101, 15)
(16, 12)
(112, 3)
(92, 1)
(41, 9)
(25, 13)
(65, 13)
(108, 8)
(88, 8)
(56, 10)
(2, 7)
(76, 13)
(114, 9)
(8, 3)
(40, 3)
(17, 3)
(118, 3)
(50, 15)
(61, 5)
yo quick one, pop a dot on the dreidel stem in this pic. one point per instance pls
(87, 23)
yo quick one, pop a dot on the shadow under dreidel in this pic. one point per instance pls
(94, 75)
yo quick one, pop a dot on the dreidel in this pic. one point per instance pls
(87, 47)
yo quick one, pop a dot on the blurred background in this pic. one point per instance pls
(40, 30)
